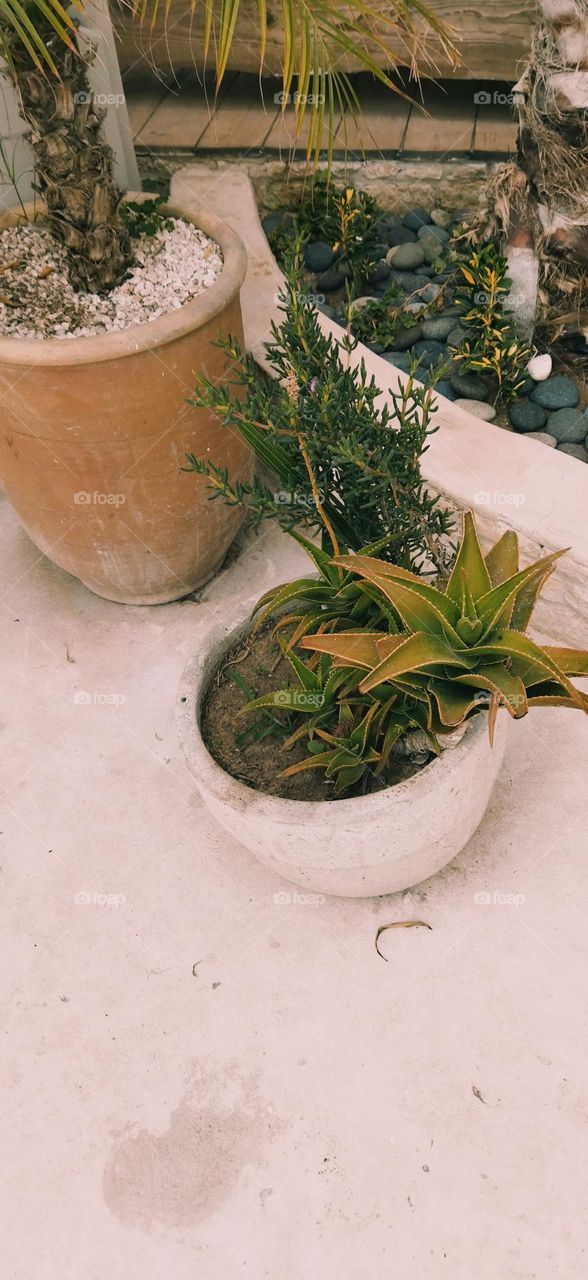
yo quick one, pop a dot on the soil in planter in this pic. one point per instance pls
(257, 662)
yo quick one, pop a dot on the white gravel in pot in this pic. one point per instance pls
(37, 299)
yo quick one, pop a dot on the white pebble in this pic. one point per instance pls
(539, 367)
(170, 268)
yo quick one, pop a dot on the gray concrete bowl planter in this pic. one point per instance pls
(359, 847)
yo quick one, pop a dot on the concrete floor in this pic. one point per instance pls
(208, 1081)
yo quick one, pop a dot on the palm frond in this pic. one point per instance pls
(28, 21)
(317, 39)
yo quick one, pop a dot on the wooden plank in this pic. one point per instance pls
(383, 121)
(495, 129)
(180, 116)
(492, 37)
(242, 120)
(283, 136)
(185, 112)
(143, 94)
(448, 128)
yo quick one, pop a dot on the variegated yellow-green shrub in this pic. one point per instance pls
(463, 648)
(491, 345)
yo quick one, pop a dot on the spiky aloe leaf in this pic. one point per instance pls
(418, 612)
(307, 678)
(497, 679)
(303, 589)
(470, 626)
(354, 648)
(417, 653)
(497, 606)
(359, 735)
(317, 619)
(453, 704)
(470, 560)
(502, 561)
(526, 600)
(368, 593)
(393, 733)
(378, 570)
(550, 694)
(323, 561)
(573, 661)
(320, 761)
(527, 659)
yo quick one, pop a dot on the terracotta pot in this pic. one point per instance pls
(94, 431)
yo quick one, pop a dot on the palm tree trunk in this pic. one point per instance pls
(73, 164)
(540, 201)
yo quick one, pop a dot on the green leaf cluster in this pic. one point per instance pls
(491, 345)
(144, 217)
(343, 464)
(464, 648)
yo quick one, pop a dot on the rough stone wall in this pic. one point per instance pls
(396, 184)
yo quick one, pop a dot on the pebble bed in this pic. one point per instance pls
(548, 410)
(38, 300)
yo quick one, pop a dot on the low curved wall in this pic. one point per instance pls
(509, 481)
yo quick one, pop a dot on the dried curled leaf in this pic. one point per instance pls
(400, 924)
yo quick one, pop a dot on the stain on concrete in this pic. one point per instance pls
(183, 1175)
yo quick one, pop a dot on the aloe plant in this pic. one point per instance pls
(462, 648)
(349, 735)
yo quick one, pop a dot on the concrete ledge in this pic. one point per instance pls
(509, 481)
